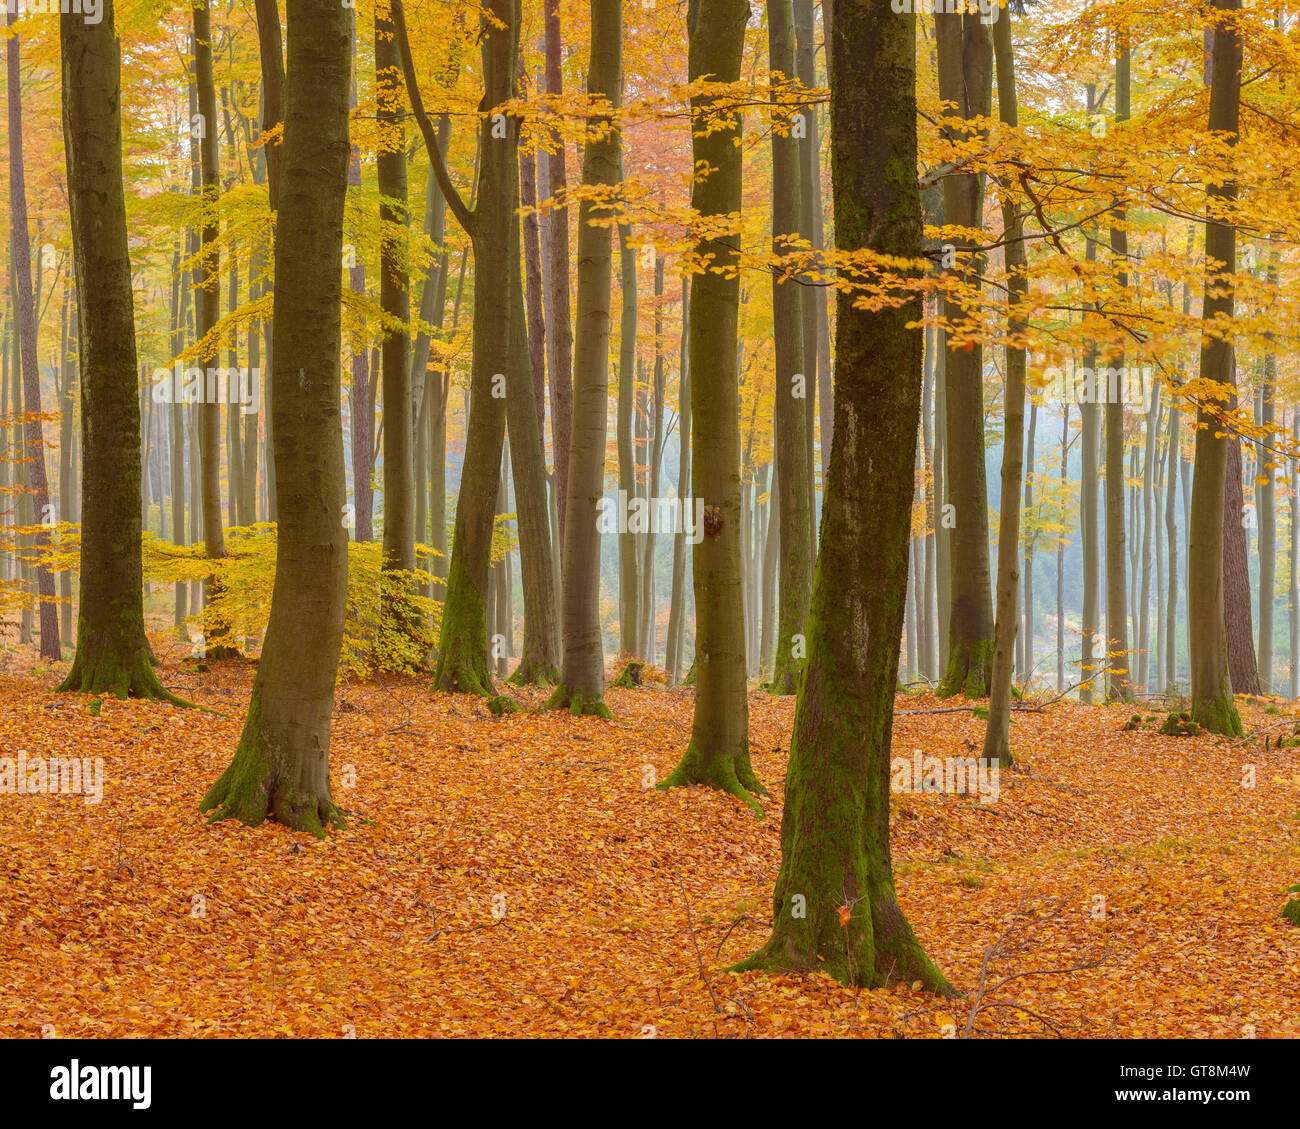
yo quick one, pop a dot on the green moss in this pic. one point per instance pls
(502, 703)
(578, 704)
(1179, 725)
(630, 676)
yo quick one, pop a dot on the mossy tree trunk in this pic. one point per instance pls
(540, 663)
(281, 766)
(965, 79)
(582, 681)
(1211, 695)
(462, 646)
(113, 654)
(835, 909)
(718, 753)
(792, 384)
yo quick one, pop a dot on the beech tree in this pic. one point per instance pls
(281, 765)
(1212, 703)
(718, 753)
(834, 909)
(582, 680)
(113, 654)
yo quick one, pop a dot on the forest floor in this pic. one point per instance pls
(515, 876)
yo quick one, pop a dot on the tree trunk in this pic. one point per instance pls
(965, 75)
(1212, 703)
(677, 600)
(1267, 515)
(629, 585)
(718, 753)
(113, 654)
(395, 301)
(582, 682)
(281, 766)
(33, 438)
(834, 909)
(559, 342)
(1242, 668)
(791, 380)
(208, 303)
(462, 646)
(997, 734)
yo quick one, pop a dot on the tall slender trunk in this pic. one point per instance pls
(718, 753)
(1212, 702)
(208, 303)
(113, 654)
(1060, 555)
(559, 342)
(1267, 513)
(792, 384)
(997, 734)
(677, 602)
(629, 586)
(33, 435)
(965, 77)
(395, 301)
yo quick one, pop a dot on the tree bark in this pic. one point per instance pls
(965, 76)
(791, 378)
(582, 681)
(835, 909)
(281, 766)
(1212, 702)
(718, 753)
(33, 436)
(113, 654)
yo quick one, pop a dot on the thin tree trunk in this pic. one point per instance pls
(790, 410)
(1212, 703)
(629, 585)
(718, 753)
(965, 75)
(33, 437)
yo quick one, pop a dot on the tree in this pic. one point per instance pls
(499, 367)
(790, 412)
(281, 765)
(1211, 696)
(25, 335)
(559, 342)
(965, 79)
(395, 301)
(208, 305)
(718, 753)
(582, 680)
(113, 654)
(1119, 679)
(834, 909)
(997, 735)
